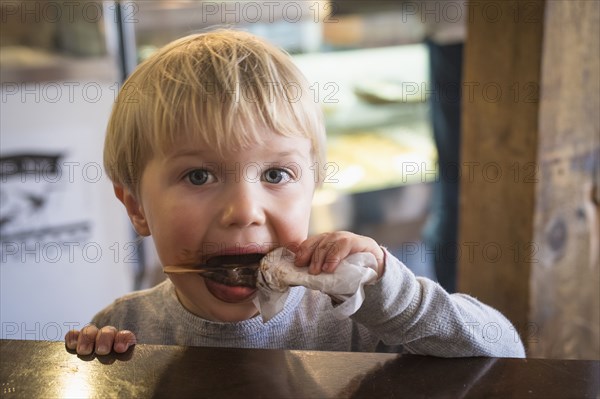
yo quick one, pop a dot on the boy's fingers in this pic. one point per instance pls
(123, 340)
(330, 252)
(380, 257)
(86, 340)
(102, 340)
(324, 252)
(317, 257)
(319, 250)
(304, 252)
(71, 339)
(105, 339)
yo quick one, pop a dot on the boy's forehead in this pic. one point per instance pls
(270, 144)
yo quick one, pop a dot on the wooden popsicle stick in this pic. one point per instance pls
(181, 269)
(197, 269)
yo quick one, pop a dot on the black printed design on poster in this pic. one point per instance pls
(35, 208)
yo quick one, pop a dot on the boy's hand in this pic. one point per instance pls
(101, 341)
(324, 252)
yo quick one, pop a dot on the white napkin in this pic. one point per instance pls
(277, 273)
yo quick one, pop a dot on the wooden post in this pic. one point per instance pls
(498, 153)
(565, 279)
(529, 229)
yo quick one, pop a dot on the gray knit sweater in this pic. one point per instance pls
(401, 312)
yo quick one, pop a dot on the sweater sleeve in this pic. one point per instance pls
(417, 313)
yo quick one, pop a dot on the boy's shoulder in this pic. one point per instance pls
(134, 304)
(159, 290)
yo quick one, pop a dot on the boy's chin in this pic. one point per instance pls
(230, 294)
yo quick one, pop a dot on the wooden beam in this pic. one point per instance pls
(503, 55)
(565, 279)
(530, 205)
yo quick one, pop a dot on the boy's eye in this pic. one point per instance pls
(198, 177)
(276, 176)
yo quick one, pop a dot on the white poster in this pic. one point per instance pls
(66, 247)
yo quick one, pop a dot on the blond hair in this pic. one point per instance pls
(224, 87)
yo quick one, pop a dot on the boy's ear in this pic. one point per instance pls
(134, 209)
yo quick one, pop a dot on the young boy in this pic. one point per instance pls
(211, 147)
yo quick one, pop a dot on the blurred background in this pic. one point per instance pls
(67, 246)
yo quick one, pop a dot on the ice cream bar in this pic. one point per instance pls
(240, 270)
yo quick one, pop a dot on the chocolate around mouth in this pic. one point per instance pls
(233, 270)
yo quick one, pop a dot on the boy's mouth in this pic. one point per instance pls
(233, 270)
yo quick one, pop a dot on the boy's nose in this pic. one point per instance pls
(243, 206)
